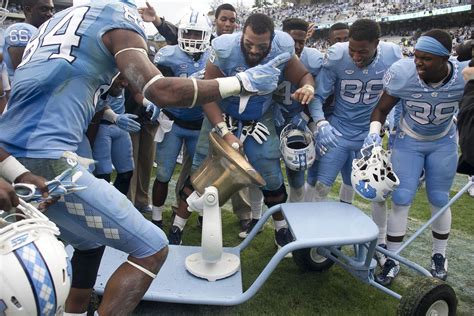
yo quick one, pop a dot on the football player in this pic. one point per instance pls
(113, 145)
(430, 88)
(250, 117)
(179, 127)
(290, 112)
(353, 71)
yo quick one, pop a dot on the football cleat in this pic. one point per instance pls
(283, 237)
(389, 272)
(439, 266)
(175, 235)
(380, 257)
(248, 228)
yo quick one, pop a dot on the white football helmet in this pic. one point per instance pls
(372, 175)
(35, 270)
(194, 22)
(297, 148)
(3, 10)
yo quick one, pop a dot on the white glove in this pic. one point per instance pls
(258, 131)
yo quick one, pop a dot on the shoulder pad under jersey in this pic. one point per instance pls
(18, 34)
(223, 45)
(313, 59)
(395, 78)
(164, 54)
(335, 53)
(391, 50)
(284, 42)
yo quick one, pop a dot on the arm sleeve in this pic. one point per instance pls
(169, 31)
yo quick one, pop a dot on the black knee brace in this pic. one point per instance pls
(275, 197)
(122, 182)
(187, 189)
(85, 264)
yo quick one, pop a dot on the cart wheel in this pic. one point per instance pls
(309, 259)
(429, 296)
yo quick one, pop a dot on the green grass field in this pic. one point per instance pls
(289, 291)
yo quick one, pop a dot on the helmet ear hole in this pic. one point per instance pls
(297, 148)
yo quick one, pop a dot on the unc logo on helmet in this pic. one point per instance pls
(372, 176)
(194, 32)
(35, 270)
(297, 148)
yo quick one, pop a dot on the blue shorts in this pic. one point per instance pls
(265, 158)
(99, 215)
(168, 150)
(338, 159)
(439, 159)
(112, 146)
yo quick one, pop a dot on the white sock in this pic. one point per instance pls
(439, 246)
(443, 224)
(321, 192)
(393, 246)
(157, 214)
(308, 192)
(398, 220)
(280, 224)
(296, 194)
(346, 193)
(180, 222)
(379, 215)
(256, 202)
(75, 314)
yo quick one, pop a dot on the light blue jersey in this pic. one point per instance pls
(427, 112)
(228, 57)
(312, 59)
(16, 35)
(182, 65)
(65, 68)
(356, 90)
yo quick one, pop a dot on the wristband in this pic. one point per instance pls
(10, 169)
(146, 102)
(321, 122)
(229, 86)
(308, 87)
(221, 129)
(150, 82)
(195, 86)
(375, 127)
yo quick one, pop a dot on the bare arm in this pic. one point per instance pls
(13, 171)
(16, 54)
(139, 70)
(212, 110)
(383, 108)
(297, 74)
